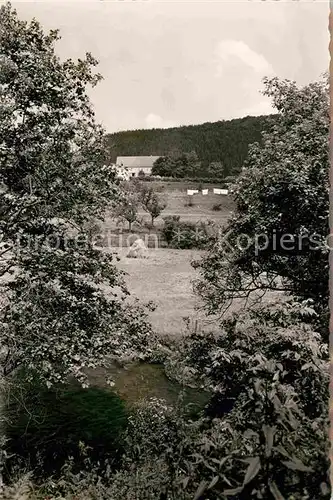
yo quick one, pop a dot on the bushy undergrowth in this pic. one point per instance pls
(170, 458)
(186, 235)
(269, 373)
(275, 337)
(264, 434)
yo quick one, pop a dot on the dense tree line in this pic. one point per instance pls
(223, 141)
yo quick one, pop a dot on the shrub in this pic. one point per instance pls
(217, 207)
(46, 426)
(189, 202)
(171, 224)
(277, 335)
(185, 235)
(158, 440)
(269, 371)
(244, 456)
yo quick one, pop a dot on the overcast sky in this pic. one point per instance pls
(169, 63)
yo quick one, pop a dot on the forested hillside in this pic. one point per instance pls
(222, 141)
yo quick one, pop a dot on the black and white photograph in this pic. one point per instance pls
(165, 250)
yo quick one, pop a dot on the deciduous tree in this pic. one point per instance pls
(283, 190)
(152, 202)
(163, 166)
(56, 317)
(216, 170)
(177, 165)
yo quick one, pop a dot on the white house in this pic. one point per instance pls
(132, 165)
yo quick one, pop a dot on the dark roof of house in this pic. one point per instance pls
(136, 161)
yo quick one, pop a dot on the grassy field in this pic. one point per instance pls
(177, 199)
(165, 277)
(202, 205)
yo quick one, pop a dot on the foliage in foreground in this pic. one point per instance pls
(235, 457)
(276, 239)
(271, 443)
(269, 372)
(55, 316)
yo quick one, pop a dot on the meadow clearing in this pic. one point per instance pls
(202, 205)
(175, 193)
(166, 276)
